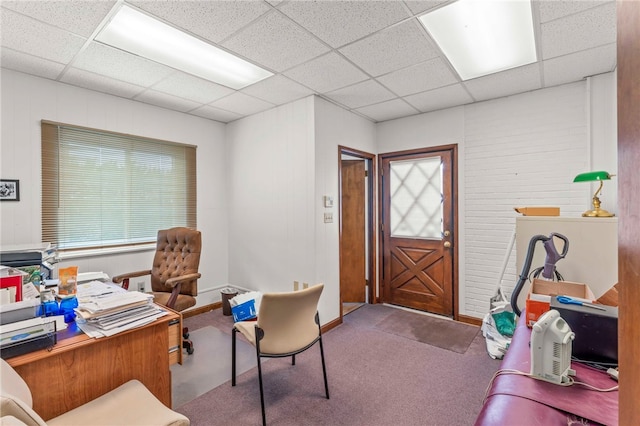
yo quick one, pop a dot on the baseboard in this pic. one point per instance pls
(201, 309)
(470, 320)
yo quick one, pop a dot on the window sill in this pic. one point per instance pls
(78, 254)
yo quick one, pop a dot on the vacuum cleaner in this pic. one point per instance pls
(548, 271)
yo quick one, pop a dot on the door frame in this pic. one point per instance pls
(371, 215)
(454, 220)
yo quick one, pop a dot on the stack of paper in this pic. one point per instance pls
(105, 309)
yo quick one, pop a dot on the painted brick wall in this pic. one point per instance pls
(518, 152)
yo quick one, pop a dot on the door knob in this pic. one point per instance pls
(447, 233)
(447, 244)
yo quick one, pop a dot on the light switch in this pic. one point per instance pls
(328, 217)
(328, 201)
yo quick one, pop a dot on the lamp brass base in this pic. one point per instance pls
(597, 213)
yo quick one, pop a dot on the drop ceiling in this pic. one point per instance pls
(370, 57)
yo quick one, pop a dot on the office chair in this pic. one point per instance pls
(174, 273)
(287, 324)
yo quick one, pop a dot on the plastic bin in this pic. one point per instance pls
(227, 294)
(244, 311)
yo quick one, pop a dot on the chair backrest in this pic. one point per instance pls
(288, 320)
(177, 253)
(15, 397)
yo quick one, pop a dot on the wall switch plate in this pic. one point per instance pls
(328, 201)
(141, 287)
(328, 217)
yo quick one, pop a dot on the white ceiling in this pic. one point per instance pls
(371, 57)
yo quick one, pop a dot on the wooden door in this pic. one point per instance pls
(353, 257)
(418, 229)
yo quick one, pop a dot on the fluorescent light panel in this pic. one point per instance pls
(481, 37)
(142, 35)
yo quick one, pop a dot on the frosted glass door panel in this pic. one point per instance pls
(416, 198)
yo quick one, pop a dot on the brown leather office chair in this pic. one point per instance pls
(287, 324)
(174, 274)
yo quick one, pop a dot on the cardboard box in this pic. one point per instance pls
(11, 279)
(542, 291)
(538, 211)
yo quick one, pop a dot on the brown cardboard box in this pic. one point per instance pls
(610, 298)
(542, 291)
(538, 211)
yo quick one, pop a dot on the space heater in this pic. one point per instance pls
(551, 339)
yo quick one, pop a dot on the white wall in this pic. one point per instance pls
(334, 127)
(521, 150)
(26, 100)
(282, 162)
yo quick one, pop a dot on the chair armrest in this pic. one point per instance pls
(119, 278)
(172, 282)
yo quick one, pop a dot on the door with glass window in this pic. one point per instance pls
(418, 219)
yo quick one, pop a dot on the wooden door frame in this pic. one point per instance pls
(370, 161)
(454, 220)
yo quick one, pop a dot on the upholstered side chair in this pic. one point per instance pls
(287, 324)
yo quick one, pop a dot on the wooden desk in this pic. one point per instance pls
(79, 369)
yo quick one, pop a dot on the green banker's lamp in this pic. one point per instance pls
(591, 177)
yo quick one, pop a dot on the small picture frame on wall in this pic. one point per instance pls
(9, 190)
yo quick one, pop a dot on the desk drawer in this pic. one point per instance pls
(175, 342)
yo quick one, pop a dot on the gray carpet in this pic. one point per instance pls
(442, 333)
(209, 366)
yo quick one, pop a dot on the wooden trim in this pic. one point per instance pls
(201, 310)
(469, 320)
(628, 54)
(331, 324)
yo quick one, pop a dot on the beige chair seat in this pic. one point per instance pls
(130, 404)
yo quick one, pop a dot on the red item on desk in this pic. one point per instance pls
(522, 400)
(13, 281)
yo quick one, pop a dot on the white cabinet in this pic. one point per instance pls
(592, 257)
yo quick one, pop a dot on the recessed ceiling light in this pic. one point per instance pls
(483, 37)
(142, 35)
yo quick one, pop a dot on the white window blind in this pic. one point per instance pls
(103, 189)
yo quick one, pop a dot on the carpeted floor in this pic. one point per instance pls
(375, 378)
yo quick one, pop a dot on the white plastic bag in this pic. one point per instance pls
(497, 344)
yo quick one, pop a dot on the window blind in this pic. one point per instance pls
(103, 189)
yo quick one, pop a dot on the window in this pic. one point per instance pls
(102, 189)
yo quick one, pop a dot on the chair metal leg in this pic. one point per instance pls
(233, 356)
(293, 359)
(324, 368)
(264, 416)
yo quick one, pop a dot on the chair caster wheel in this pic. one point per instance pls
(190, 351)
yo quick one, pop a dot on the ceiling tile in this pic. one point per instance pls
(78, 17)
(326, 73)
(115, 63)
(388, 110)
(35, 38)
(550, 10)
(574, 67)
(392, 49)
(215, 114)
(100, 83)
(242, 104)
(591, 28)
(213, 20)
(505, 83)
(341, 22)
(275, 42)
(417, 7)
(191, 87)
(361, 94)
(278, 90)
(28, 64)
(444, 97)
(419, 78)
(167, 101)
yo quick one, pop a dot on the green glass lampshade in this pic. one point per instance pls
(591, 177)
